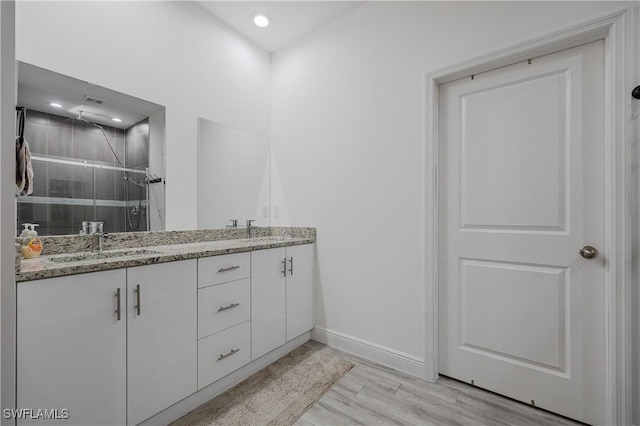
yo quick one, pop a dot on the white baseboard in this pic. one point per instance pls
(193, 401)
(371, 351)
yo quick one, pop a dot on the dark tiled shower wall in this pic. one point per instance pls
(54, 136)
(137, 146)
(137, 157)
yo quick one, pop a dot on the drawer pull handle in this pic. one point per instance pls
(291, 269)
(284, 265)
(233, 351)
(230, 268)
(224, 308)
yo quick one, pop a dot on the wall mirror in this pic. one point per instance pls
(233, 176)
(97, 155)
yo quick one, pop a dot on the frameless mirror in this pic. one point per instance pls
(233, 176)
(97, 155)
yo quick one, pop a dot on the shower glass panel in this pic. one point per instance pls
(77, 176)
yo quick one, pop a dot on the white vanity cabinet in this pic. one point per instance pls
(268, 322)
(281, 296)
(118, 347)
(161, 337)
(300, 274)
(113, 347)
(71, 347)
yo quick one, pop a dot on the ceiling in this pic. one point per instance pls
(38, 86)
(290, 20)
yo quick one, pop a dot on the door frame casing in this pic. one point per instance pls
(617, 30)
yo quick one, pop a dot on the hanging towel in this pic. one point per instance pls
(24, 169)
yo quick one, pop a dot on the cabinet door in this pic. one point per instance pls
(267, 301)
(161, 337)
(71, 350)
(300, 262)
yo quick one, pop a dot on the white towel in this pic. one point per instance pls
(24, 169)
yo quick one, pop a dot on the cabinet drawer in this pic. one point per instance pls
(232, 345)
(223, 306)
(221, 269)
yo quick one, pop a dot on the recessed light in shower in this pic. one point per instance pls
(55, 105)
(117, 120)
(261, 20)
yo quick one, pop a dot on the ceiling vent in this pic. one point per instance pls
(93, 100)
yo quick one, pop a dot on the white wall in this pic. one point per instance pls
(171, 53)
(348, 107)
(7, 203)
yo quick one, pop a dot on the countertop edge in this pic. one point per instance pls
(142, 260)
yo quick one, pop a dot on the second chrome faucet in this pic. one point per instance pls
(250, 227)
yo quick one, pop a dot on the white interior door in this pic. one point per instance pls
(521, 192)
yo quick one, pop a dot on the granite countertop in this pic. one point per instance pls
(46, 267)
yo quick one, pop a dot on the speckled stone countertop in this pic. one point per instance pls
(145, 248)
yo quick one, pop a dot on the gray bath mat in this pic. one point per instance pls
(276, 395)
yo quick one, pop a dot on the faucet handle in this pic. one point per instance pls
(234, 223)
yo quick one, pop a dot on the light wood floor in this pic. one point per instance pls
(371, 394)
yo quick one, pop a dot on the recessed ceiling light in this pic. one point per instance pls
(55, 105)
(117, 120)
(261, 20)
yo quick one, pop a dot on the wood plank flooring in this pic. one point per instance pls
(371, 394)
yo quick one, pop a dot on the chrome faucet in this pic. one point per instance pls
(96, 240)
(250, 227)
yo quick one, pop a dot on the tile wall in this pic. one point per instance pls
(62, 138)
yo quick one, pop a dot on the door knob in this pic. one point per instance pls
(588, 252)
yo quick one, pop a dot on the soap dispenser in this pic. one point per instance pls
(25, 230)
(31, 244)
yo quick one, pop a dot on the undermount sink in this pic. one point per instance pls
(79, 257)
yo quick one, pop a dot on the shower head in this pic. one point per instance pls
(81, 118)
(84, 120)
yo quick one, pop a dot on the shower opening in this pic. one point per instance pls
(87, 166)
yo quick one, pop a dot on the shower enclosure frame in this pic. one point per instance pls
(85, 202)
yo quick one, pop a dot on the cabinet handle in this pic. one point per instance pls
(118, 303)
(231, 352)
(231, 268)
(224, 308)
(137, 291)
(284, 265)
(291, 269)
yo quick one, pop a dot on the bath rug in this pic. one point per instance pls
(276, 395)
